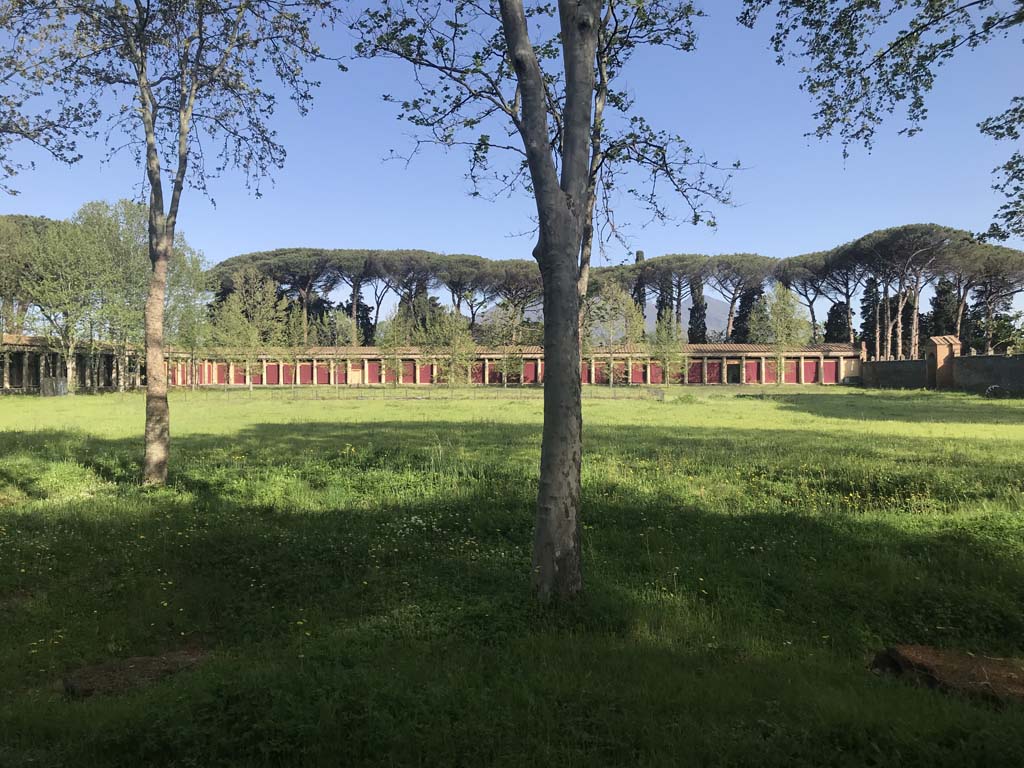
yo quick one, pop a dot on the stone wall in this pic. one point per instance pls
(895, 374)
(976, 374)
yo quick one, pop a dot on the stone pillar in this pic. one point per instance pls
(487, 371)
(416, 371)
(5, 374)
(314, 379)
(263, 378)
(743, 370)
(629, 371)
(821, 369)
(840, 369)
(724, 375)
(332, 372)
(540, 370)
(762, 375)
(800, 370)
(231, 374)
(366, 371)
(522, 371)
(703, 370)
(593, 372)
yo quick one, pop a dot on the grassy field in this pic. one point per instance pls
(357, 570)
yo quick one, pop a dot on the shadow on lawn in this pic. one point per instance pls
(451, 558)
(918, 407)
(400, 624)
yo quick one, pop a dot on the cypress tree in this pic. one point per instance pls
(942, 318)
(837, 326)
(869, 305)
(697, 332)
(741, 324)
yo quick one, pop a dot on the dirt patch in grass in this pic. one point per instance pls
(124, 675)
(955, 671)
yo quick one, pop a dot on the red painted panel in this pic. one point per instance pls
(830, 374)
(493, 372)
(256, 378)
(425, 373)
(771, 372)
(790, 372)
(221, 373)
(172, 375)
(372, 372)
(477, 374)
(530, 372)
(239, 375)
(752, 372)
(600, 373)
(305, 373)
(714, 371)
(693, 373)
(584, 372)
(619, 369)
(341, 373)
(390, 373)
(657, 374)
(323, 374)
(636, 376)
(273, 374)
(810, 371)
(287, 373)
(408, 372)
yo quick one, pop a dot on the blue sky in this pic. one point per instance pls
(729, 99)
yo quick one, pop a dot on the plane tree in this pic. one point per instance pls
(538, 80)
(191, 88)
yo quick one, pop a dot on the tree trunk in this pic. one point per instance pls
(158, 417)
(849, 318)
(122, 370)
(915, 326)
(888, 323)
(961, 307)
(901, 304)
(814, 322)
(730, 319)
(556, 548)
(72, 371)
(878, 330)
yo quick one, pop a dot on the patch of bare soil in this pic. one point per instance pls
(992, 678)
(124, 675)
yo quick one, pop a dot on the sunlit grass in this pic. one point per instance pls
(357, 565)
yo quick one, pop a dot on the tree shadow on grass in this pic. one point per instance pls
(912, 407)
(364, 589)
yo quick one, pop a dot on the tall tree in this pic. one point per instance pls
(944, 317)
(697, 326)
(489, 82)
(866, 59)
(741, 325)
(250, 320)
(837, 328)
(182, 78)
(844, 273)
(805, 276)
(64, 277)
(870, 317)
(732, 274)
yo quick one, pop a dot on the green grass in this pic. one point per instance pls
(358, 569)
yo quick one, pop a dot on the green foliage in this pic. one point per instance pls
(741, 326)
(837, 326)
(666, 346)
(866, 60)
(612, 318)
(449, 338)
(252, 320)
(778, 319)
(356, 571)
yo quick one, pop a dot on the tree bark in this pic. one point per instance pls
(158, 416)
(915, 326)
(557, 570)
(72, 370)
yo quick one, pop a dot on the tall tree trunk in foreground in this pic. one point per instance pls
(158, 415)
(561, 208)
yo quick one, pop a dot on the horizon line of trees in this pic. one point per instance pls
(887, 271)
(84, 280)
